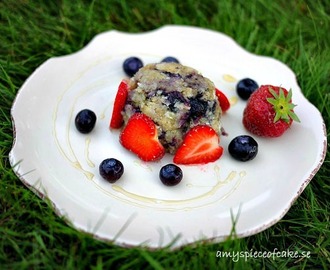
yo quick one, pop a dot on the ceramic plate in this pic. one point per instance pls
(60, 164)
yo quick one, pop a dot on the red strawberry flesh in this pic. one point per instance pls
(140, 137)
(200, 146)
(119, 104)
(223, 100)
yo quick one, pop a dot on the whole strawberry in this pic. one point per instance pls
(269, 111)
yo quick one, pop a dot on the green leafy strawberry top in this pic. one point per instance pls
(282, 105)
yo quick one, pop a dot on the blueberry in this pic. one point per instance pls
(170, 59)
(111, 169)
(245, 88)
(131, 65)
(85, 121)
(173, 98)
(243, 148)
(198, 107)
(170, 175)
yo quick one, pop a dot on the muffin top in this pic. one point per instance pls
(176, 98)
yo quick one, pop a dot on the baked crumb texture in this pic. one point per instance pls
(176, 98)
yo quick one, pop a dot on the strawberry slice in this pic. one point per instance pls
(200, 146)
(223, 100)
(120, 101)
(140, 137)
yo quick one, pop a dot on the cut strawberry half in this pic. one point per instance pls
(140, 137)
(223, 100)
(119, 104)
(200, 146)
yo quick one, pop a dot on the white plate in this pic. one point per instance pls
(60, 164)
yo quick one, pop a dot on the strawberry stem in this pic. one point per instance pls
(283, 106)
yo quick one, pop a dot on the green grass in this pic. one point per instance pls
(295, 32)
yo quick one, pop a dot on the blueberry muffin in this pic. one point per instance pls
(176, 97)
